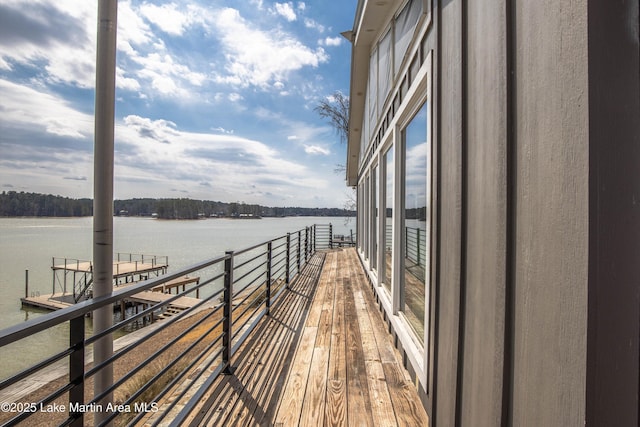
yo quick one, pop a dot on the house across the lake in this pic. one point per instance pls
(495, 149)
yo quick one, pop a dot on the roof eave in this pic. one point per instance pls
(371, 19)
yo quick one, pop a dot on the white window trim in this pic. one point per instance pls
(419, 93)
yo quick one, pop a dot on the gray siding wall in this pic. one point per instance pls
(538, 119)
(449, 184)
(486, 213)
(552, 213)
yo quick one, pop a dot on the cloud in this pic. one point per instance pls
(285, 10)
(310, 23)
(229, 163)
(222, 130)
(154, 70)
(199, 89)
(331, 41)
(166, 76)
(259, 58)
(24, 107)
(55, 37)
(158, 130)
(126, 83)
(235, 97)
(315, 149)
(167, 17)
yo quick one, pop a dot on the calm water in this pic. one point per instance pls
(31, 243)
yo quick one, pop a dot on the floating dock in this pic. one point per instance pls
(73, 282)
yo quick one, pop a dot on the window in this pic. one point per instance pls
(385, 70)
(388, 215)
(404, 25)
(413, 292)
(372, 95)
(374, 218)
(367, 217)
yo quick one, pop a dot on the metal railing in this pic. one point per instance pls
(415, 242)
(236, 290)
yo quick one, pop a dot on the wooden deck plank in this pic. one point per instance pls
(269, 358)
(400, 391)
(252, 400)
(315, 396)
(274, 388)
(381, 407)
(359, 400)
(295, 388)
(336, 405)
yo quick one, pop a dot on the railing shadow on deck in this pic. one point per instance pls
(236, 291)
(251, 394)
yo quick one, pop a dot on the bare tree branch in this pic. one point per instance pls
(335, 109)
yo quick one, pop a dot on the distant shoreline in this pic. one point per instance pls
(15, 204)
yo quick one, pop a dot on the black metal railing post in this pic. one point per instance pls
(228, 309)
(288, 260)
(269, 257)
(313, 239)
(306, 244)
(330, 236)
(76, 370)
(298, 252)
(418, 244)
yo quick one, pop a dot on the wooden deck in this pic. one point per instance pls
(323, 357)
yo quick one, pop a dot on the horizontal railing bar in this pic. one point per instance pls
(277, 295)
(163, 371)
(275, 262)
(274, 273)
(187, 369)
(250, 248)
(246, 273)
(279, 251)
(239, 279)
(33, 369)
(281, 245)
(197, 397)
(278, 262)
(215, 374)
(245, 262)
(152, 309)
(45, 400)
(246, 333)
(150, 359)
(172, 320)
(246, 298)
(248, 307)
(155, 307)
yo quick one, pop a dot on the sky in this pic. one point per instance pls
(214, 99)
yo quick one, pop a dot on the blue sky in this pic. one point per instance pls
(214, 99)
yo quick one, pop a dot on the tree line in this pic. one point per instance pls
(18, 204)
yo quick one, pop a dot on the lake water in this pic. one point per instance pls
(31, 243)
